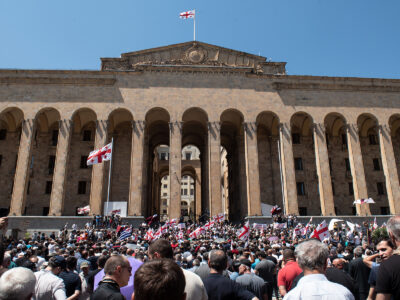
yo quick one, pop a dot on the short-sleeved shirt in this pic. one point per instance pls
(253, 284)
(72, 282)
(48, 286)
(265, 269)
(388, 280)
(373, 274)
(288, 274)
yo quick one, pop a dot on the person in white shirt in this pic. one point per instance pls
(48, 285)
(312, 257)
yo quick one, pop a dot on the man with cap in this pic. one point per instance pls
(48, 284)
(84, 275)
(251, 281)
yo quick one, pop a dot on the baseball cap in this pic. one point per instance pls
(84, 264)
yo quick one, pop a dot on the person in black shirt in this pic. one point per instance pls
(388, 280)
(72, 281)
(219, 287)
(360, 273)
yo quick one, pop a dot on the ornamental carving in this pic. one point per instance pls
(195, 54)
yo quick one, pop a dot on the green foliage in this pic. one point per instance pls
(379, 234)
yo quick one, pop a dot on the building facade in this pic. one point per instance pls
(311, 144)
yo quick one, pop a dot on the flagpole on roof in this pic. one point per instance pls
(194, 25)
(109, 174)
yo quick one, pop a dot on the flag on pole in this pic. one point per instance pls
(97, 156)
(197, 232)
(321, 232)
(375, 225)
(187, 14)
(243, 233)
(126, 233)
(362, 201)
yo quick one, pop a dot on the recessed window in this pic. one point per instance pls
(351, 190)
(165, 186)
(344, 139)
(49, 185)
(385, 210)
(298, 164)
(87, 135)
(165, 194)
(347, 164)
(163, 156)
(183, 203)
(82, 187)
(192, 192)
(377, 165)
(185, 192)
(84, 162)
(295, 138)
(52, 163)
(300, 188)
(380, 188)
(54, 137)
(188, 155)
(372, 139)
(303, 211)
(3, 134)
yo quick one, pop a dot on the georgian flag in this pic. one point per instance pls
(97, 156)
(181, 225)
(187, 14)
(195, 234)
(208, 225)
(362, 201)
(84, 210)
(149, 235)
(260, 227)
(219, 218)
(170, 223)
(243, 233)
(321, 232)
(180, 235)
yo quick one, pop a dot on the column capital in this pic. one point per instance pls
(177, 124)
(216, 125)
(250, 126)
(138, 125)
(28, 121)
(318, 128)
(351, 127)
(284, 127)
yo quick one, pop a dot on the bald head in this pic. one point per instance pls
(338, 263)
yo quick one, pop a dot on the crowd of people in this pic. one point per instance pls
(212, 260)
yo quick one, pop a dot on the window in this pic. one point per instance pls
(181, 191)
(87, 135)
(351, 191)
(296, 138)
(183, 203)
(347, 163)
(333, 189)
(54, 137)
(380, 188)
(1, 159)
(165, 186)
(82, 187)
(52, 163)
(188, 155)
(163, 156)
(303, 211)
(164, 202)
(165, 194)
(377, 165)
(184, 183)
(84, 162)
(49, 185)
(185, 192)
(372, 139)
(300, 188)
(45, 211)
(384, 210)
(164, 211)
(191, 192)
(298, 164)
(353, 210)
(3, 134)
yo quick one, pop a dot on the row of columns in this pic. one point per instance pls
(136, 193)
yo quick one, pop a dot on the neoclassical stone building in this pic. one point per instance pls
(311, 144)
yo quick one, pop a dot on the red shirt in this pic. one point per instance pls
(288, 274)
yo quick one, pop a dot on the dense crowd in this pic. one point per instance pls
(212, 260)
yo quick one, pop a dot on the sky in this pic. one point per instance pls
(355, 38)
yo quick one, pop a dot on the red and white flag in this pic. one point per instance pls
(172, 222)
(208, 225)
(84, 210)
(187, 14)
(260, 227)
(180, 235)
(97, 156)
(219, 218)
(243, 233)
(181, 225)
(149, 235)
(195, 234)
(375, 225)
(321, 232)
(362, 201)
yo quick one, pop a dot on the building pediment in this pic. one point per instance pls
(192, 56)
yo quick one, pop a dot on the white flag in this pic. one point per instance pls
(97, 156)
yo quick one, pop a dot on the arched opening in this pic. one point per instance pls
(41, 168)
(156, 142)
(373, 170)
(232, 140)
(305, 167)
(79, 174)
(10, 134)
(268, 159)
(394, 124)
(339, 164)
(120, 130)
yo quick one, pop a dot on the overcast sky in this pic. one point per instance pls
(357, 38)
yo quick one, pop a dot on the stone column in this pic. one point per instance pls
(389, 169)
(137, 165)
(357, 169)
(21, 173)
(60, 169)
(252, 171)
(324, 175)
(98, 183)
(287, 168)
(197, 190)
(214, 144)
(175, 162)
